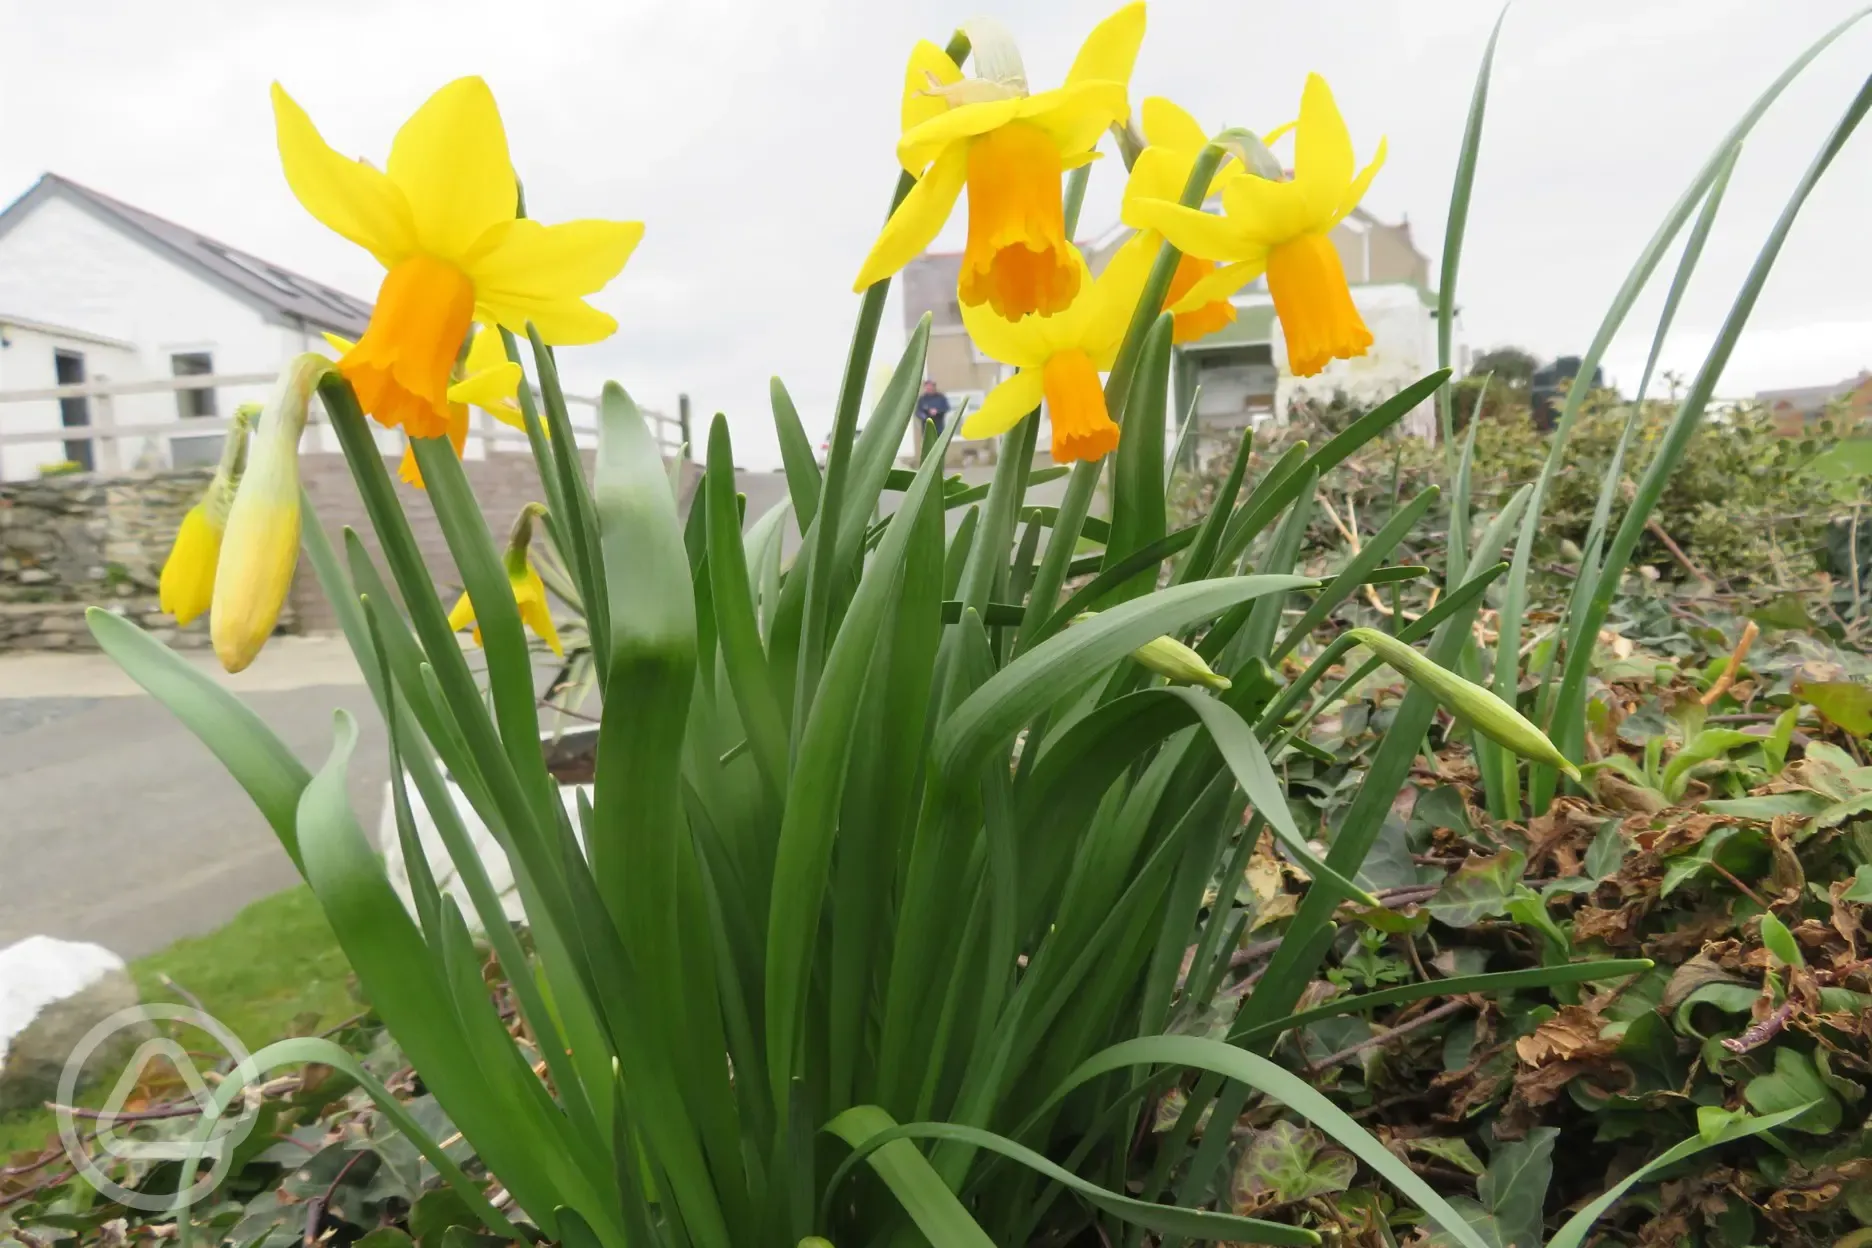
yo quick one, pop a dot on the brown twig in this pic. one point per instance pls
(1677, 552)
(1748, 892)
(1761, 1033)
(1386, 1037)
(1721, 686)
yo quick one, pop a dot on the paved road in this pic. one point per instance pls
(117, 826)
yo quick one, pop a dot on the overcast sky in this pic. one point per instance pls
(754, 139)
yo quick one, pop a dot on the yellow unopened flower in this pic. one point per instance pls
(261, 546)
(489, 381)
(1199, 292)
(1061, 356)
(529, 590)
(1284, 228)
(1009, 148)
(186, 587)
(441, 218)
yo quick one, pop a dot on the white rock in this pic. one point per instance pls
(39, 970)
(52, 993)
(442, 867)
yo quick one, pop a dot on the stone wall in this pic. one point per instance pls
(67, 543)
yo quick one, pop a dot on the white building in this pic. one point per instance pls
(94, 291)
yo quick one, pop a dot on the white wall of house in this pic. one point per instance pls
(1403, 349)
(60, 266)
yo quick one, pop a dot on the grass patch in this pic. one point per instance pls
(263, 975)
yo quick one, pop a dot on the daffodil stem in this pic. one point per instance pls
(1083, 484)
(822, 540)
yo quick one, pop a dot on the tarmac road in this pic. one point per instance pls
(117, 826)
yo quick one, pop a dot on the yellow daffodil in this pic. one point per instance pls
(1199, 291)
(1284, 228)
(489, 381)
(1061, 356)
(1009, 148)
(529, 590)
(188, 576)
(261, 546)
(441, 218)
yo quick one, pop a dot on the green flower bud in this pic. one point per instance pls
(1479, 708)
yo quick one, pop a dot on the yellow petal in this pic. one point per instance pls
(485, 351)
(536, 617)
(461, 615)
(919, 102)
(1115, 297)
(1278, 133)
(1160, 173)
(450, 161)
(1076, 115)
(1005, 405)
(1202, 234)
(1110, 51)
(1323, 159)
(1270, 213)
(1220, 284)
(1166, 125)
(567, 322)
(918, 219)
(1360, 185)
(341, 345)
(919, 146)
(347, 196)
(491, 388)
(534, 261)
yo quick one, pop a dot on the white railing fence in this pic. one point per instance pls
(105, 426)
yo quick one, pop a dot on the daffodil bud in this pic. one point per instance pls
(188, 575)
(1480, 709)
(1178, 664)
(1172, 660)
(260, 548)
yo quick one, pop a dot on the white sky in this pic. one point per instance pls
(754, 138)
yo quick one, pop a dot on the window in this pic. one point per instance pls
(68, 369)
(192, 404)
(204, 450)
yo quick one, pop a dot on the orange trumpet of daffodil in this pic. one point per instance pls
(1009, 148)
(1284, 228)
(1199, 289)
(1060, 357)
(442, 219)
(489, 381)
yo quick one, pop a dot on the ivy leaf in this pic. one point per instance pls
(1454, 1151)
(1861, 889)
(1792, 1083)
(1480, 889)
(1514, 1188)
(1845, 703)
(1287, 1163)
(1606, 852)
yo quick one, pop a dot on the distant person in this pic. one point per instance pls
(932, 412)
